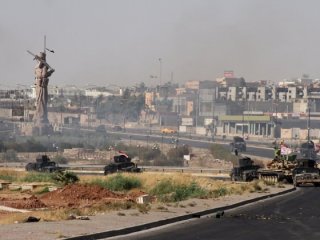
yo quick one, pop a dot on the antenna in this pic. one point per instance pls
(44, 44)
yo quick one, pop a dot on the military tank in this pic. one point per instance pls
(280, 168)
(243, 169)
(43, 164)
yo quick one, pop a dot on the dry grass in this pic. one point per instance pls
(149, 180)
(215, 188)
(10, 174)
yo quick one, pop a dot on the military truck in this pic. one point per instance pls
(239, 144)
(306, 172)
(43, 164)
(244, 170)
(121, 163)
(307, 150)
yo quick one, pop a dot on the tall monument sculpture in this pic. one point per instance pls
(42, 73)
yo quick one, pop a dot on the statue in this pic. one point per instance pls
(42, 73)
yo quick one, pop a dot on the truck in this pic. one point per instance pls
(244, 170)
(307, 150)
(306, 172)
(121, 163)
(239, 144)
(43, 164)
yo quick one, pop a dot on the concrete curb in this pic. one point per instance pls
(159, 223)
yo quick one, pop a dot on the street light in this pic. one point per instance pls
(139, 146)
(160, 71)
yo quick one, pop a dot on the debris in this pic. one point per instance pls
(32, 219)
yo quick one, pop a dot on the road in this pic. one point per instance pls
(257, 150)
(293, 216)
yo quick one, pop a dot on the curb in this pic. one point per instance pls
(159, 223)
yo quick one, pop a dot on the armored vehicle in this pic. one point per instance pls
(244, 170)
(43, 164)
(280, 168)
(306, 172)
(239, 144)
(307, 150)
(121, 163)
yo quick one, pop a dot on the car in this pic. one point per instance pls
(168, 130)
(117, 128)
(238, 143)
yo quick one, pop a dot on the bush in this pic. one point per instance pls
(175, 155)
(8, 175)
(222, 191)
(120, 183)
(166, 191)
(65, 178)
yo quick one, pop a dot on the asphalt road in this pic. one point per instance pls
(262, 151)
(293, 216)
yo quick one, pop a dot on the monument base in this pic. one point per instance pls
(33, 129)
(42, 129)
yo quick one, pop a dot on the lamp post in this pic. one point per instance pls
(139, 146)
(160, 70)
(161, 141)
(242, 124)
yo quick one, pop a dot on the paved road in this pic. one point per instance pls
(294, 216)
(262, 151)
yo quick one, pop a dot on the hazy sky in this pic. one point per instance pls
(120, 41)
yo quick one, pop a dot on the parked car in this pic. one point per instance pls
(168, 130)
(117, 128)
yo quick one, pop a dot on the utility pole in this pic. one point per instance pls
(308, 122)
(160, 71)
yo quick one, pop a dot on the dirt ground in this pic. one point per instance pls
(70, 196)
(79, 196)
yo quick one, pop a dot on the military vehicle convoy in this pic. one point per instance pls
(279, 169)
(43, 164)
(284, 167)
(121, 163)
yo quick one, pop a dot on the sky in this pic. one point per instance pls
(125, 42)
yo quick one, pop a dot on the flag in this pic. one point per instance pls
(285, 150)
(123, 153)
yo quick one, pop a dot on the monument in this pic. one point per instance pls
(42, 73)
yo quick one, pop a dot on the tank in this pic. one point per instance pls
(280, 168)
(121, 163)
(243, 170)
(43, 164)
